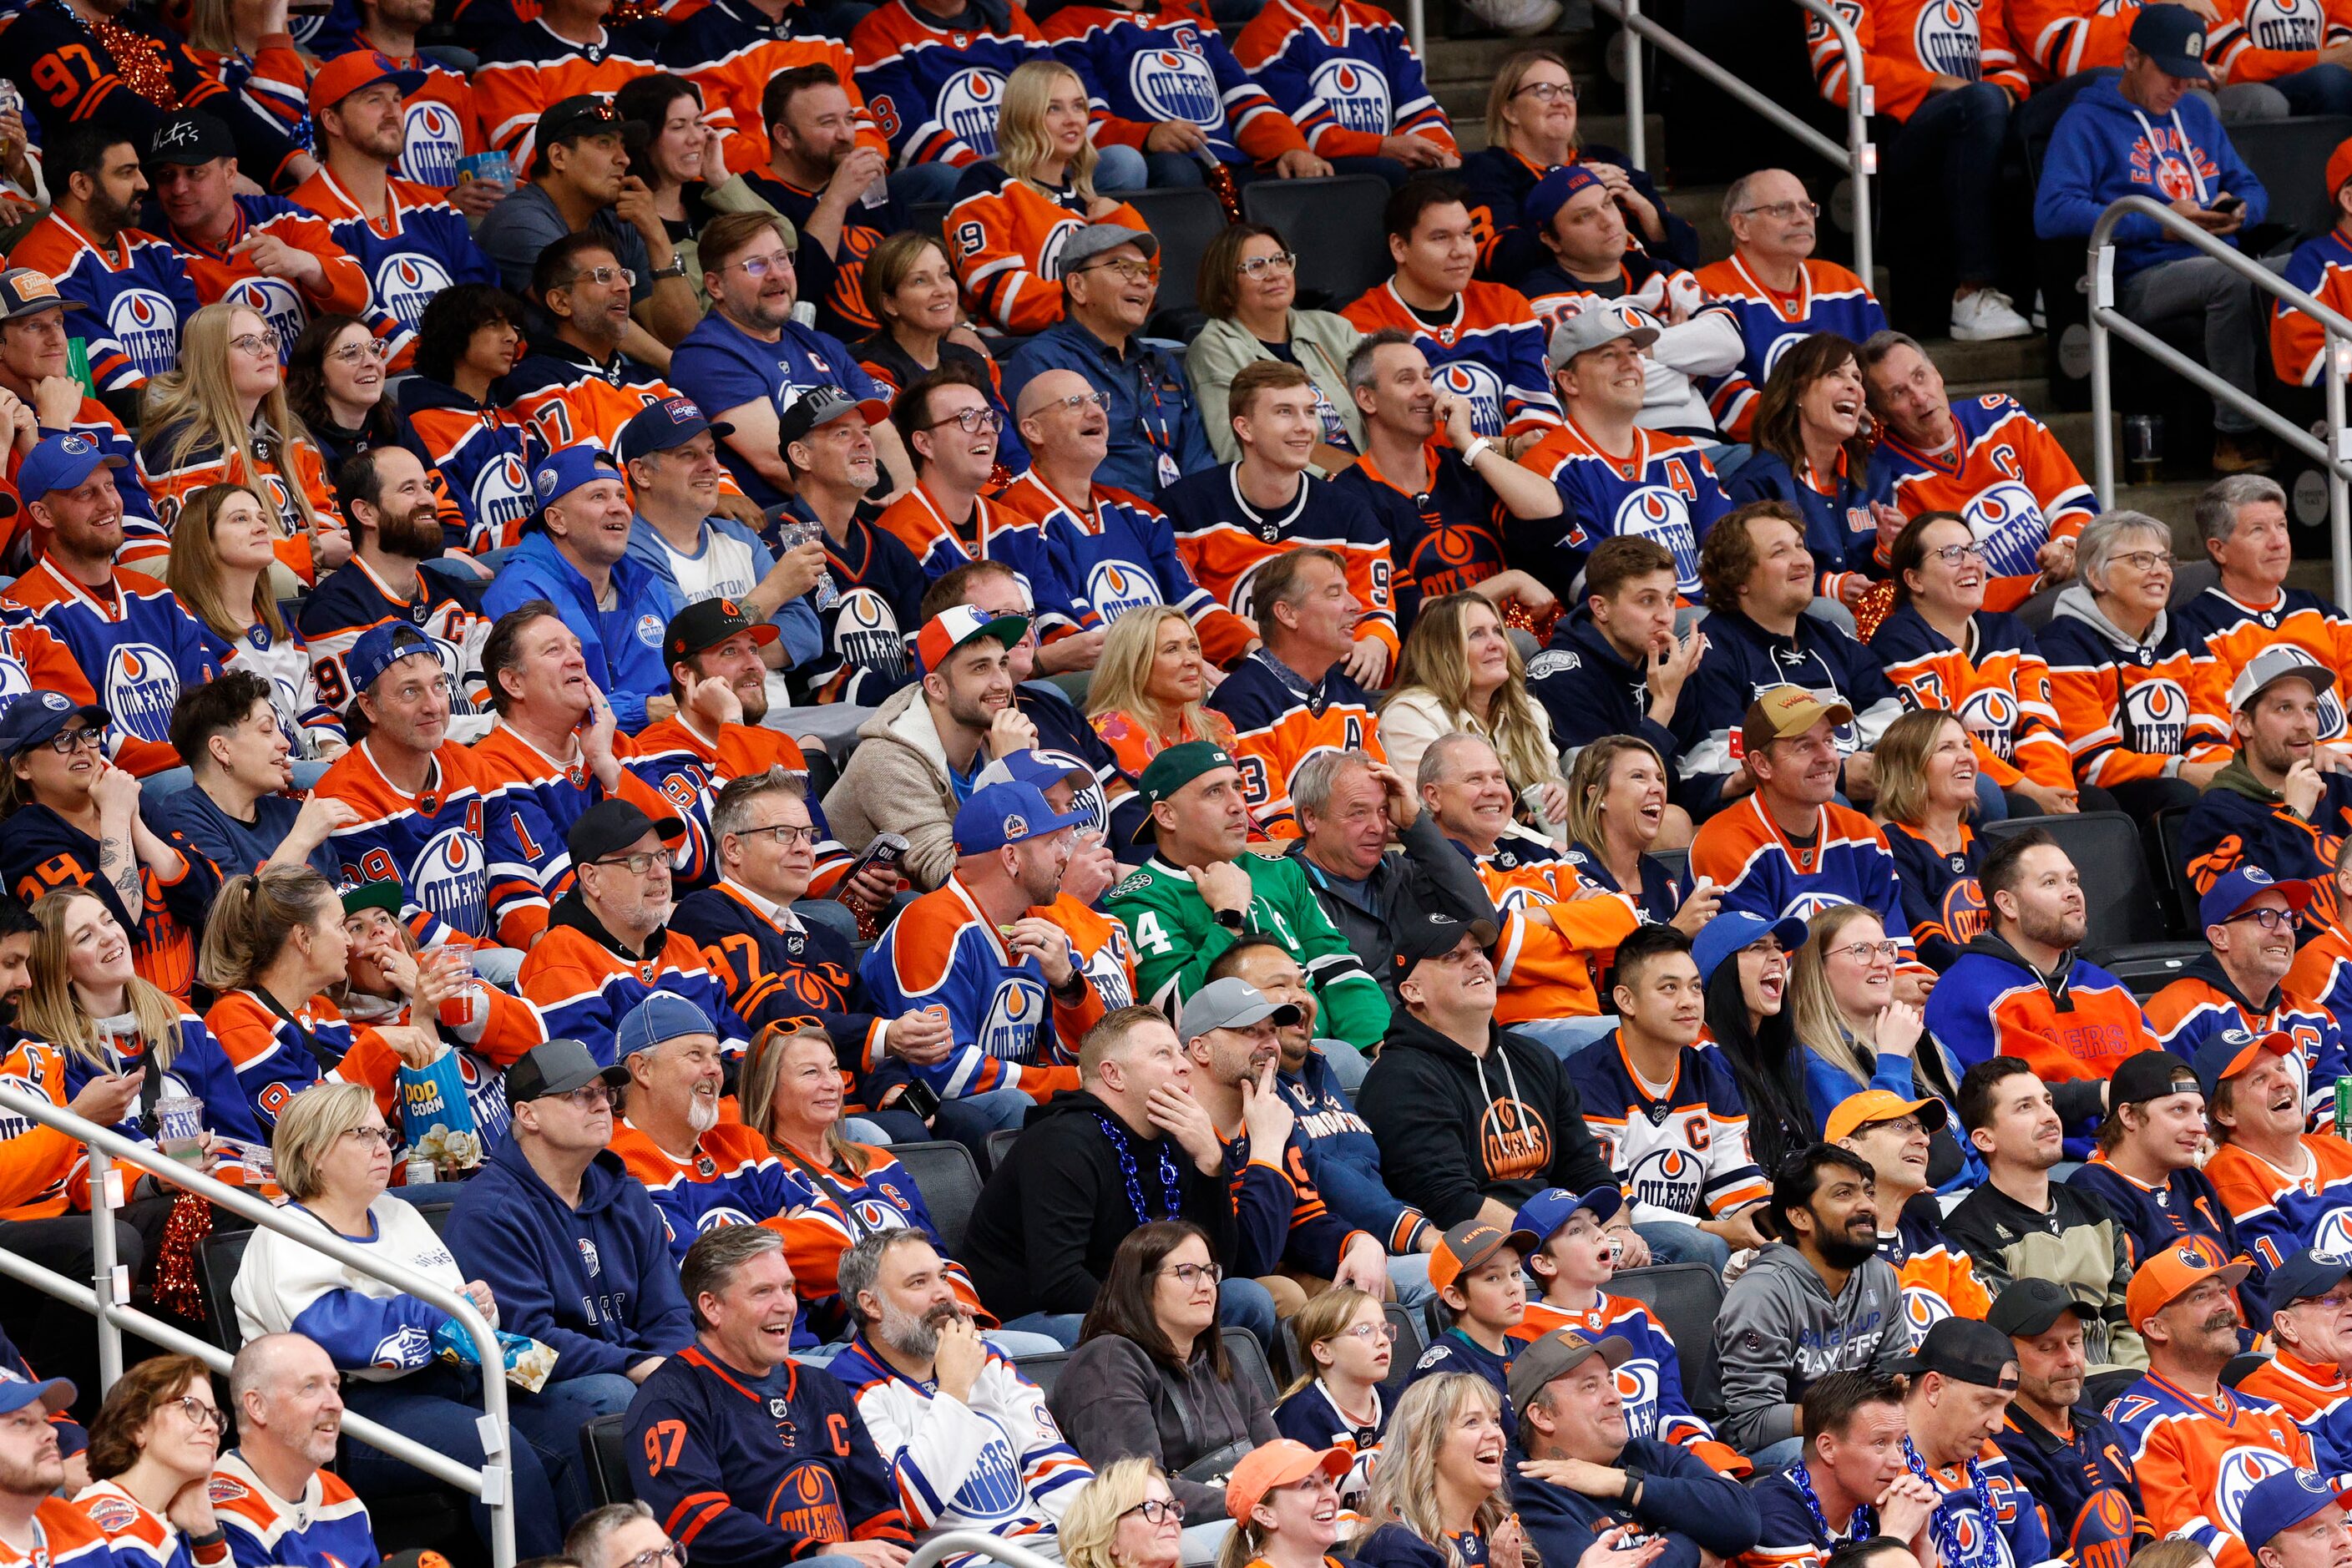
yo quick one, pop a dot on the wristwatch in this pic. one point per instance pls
(1230, 918)
(677, 269)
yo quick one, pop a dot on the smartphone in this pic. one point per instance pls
(2227, 205)
(919, 1097)
(883, 854)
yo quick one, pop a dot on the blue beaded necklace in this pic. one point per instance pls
(1947, 1541)
(1171, 1182)
(1861, 1526)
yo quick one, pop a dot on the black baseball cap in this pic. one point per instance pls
(1966, 1351)
(2144, 1076)
(818, 406)
(190, 137)
(557, 1066)
(2027, 1306)
(707, 623)
(1434, 936)
(2173, 38)
(582, 114)
(611, 826)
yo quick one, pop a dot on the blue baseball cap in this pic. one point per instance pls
(1735, 929)
(661, 1017)
(37, 716)
(59, 463)
(381, 647)
(1031, 768)
(658, 426)
(16, 1392)
(561, 472)
(2227, 898)
(1542, 1214)
(2304, 1275)
(2282, 1501)
(1555, 190)
(2173, 38)
(1006, 814)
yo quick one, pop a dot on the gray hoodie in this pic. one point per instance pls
(897, 782)
(2076, 603)
(1781, 1328)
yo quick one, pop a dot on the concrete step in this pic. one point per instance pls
(1478, 60)
(2009, 360)
(2031, 391)
(2169, 501)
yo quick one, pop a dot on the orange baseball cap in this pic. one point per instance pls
(2170, 1273)
(1468, 1245)
(1856, 1112)
(346, 74)
(1285, 1462)
(2339, 166)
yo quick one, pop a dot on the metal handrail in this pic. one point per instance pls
(2334, 455)
(1858, 157)
(980, 1544)
(105, 1296)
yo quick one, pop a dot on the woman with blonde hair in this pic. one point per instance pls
(150, 1463)
(1285, 1504)
(1925, 767)
(1249, 292)
(223, 417)
(1458, 671)
(1617, 812)
(1856, 1034)
(1531, 129)
(1347, 1344)
(1124, 1518)
(1441, 1481)
(1147, 688)
(1022, 204)
(223, 544)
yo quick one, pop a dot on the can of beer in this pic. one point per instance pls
(2342, 1104)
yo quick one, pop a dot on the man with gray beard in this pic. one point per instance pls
(950, 1456)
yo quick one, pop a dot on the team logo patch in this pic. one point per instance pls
(1358, 98)
(1008, 1031)
(649, 631)
(112, 1515)
(1922, 1308)
(720, 1218)
(1658, 514)
(430, 144)
(1948, 39)
(407, 282)
(501, 493)
(1552, 662)
(866, 633)
(2156, 717)
(451, 878)
(1637, 1390)
(277, 304)
(411, 1346)
(1176, 84)
(2008, 522)
(147, 324)
(2242, 1469)
(141, 684)
(969, 104)
(1479, 387)
(588, 1255)
(992, 1489)
(1115, 588)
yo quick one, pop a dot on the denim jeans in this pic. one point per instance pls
(1671, 1241)
(919, 184)
(1566, 1036)
(1119, 168)
(972, 1118)
(2200, 289)
(1241, 1304)
(1952, 145)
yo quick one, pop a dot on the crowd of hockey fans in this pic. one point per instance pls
(642, 673)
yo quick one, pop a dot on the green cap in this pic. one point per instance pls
(1172, 770)
(383, 893)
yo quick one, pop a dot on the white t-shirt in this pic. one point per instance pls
(723, 569)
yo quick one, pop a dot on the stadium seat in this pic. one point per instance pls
(1000, 1144)
(437, 1216)
(929, 217)
(1249, 1365)
(1043, 1369)
(1184, 221)
(604, 1444)
(218, 1258)
(2290, 157)
(2126, 934)
(949, 1181)
(1686, 1298)
(1677, 865)
(1412, 1339)
(1349, 252)
(2169, 824)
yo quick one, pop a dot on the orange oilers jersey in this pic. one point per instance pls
(2224, 633)
(69, 1539)
(1998, 687)
(2128, 713)
(533, 68)
(1828, 298)
(131, 651)
(140, 1539)
(221, 274)
(1491, 354)
(732, 63)
(37, 1163)
(2059, 38)
(2322, 974)
(2197, 1458)
(1005, 236)
(1346, 75)
(2261, 40)
(691, 771)
(1278, 724)
(1103, 952)
(2007, 477)
(296, 465)
(2277, 1213)
(562, 398)
(2321, 268)
(1551, 952)
(734, 1178)
(439, 123)
(934, 86)
(1223, 539)
(1906, 44)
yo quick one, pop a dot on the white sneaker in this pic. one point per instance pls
(1987, 315)
(1519, 18)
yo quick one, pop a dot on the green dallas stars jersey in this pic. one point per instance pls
(1177, 938)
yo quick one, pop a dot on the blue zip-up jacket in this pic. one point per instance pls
(1683, 1500)
(1344, 1161)
(1150, 404)
(622, 645)
(795, 618)
(2105, 147)
(1590, 691)
(594, 1284)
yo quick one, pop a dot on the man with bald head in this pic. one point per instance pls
(1116, 551)
(268, 1493)
(1110, 274)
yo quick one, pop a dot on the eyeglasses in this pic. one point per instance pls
(1953, 554)
(66, 743)
(1903, 1125)
(1783, 212)
(384, 1135)
(1373, 1331)
(669, 1552)
(589, 1097)
(1549, 91)
(972, 421)
(265, 342)
(2269, 920)
(761, 266)
(1191, 1274)
(1158, 1511)
(199, 1413)
(2144, 560)
(1133, 271)
(604, 277)
(1080, 400)
(359, 353)
(1870, 951)
(1259, 265)
(641, 862)
(783, 835)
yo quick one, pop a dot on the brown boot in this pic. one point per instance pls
(2246, 452)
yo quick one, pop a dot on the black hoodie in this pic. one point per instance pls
(1052, 1213)
(1454, 1129)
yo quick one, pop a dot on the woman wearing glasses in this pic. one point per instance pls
(1125, 1518)
(1530, 130)
(1249, 290)
(1945, 649)
(72, 817)
(335, 380)
(1349, 1346)
(150, 1463)
(223, 417)
(2121, 672)
(334, 1159)
(222, 547)
(1149, 1376)
(1012, 215)
(1842, 1000)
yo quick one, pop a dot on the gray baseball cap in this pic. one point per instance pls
(1232, 1003)
(1096, 239)
(1591, 328)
